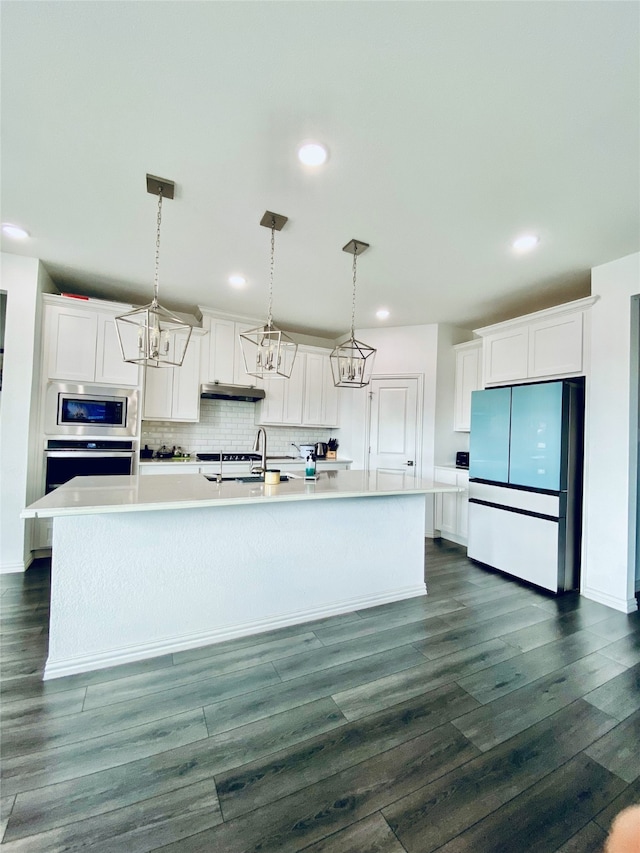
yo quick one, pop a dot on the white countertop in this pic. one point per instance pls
(95, 495)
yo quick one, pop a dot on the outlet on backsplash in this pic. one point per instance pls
(226, 425)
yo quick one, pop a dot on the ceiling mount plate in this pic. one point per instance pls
(355, 247)
(156, 185)
(275, 220)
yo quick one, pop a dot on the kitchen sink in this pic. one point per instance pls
(250, 478)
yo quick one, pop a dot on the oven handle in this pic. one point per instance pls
(75, 454)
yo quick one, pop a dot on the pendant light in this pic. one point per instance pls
(352, 361)
(267, 351)
(151, 335)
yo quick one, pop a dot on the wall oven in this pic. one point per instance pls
(90, 410)
(68, 458)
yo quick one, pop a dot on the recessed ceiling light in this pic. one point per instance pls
(525, 243)
(14, 231)
(382, 314)
(313, 153)
(237, 280)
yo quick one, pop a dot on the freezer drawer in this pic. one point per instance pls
(521, 545)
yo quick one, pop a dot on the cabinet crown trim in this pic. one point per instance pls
(473, 344)
(527, 319)
(86, 304)
(214, 314)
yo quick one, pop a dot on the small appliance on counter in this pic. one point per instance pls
(305, 449)
(320, 450)
(146, 452)
(462, 459)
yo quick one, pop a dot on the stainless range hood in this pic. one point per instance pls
(220, 391)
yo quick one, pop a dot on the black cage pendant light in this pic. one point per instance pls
(352, 361)
(151, 335)
(267, 351)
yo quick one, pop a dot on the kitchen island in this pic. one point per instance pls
(144, 566)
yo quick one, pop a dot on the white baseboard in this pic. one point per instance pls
(87, 663)
(628, 605)
(13, 568)
(452, 537)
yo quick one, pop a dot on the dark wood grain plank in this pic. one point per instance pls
(625, 650)
(55, 765)
(501, 719)
(618, 750)
(241, 710)
(510, 675)
(262, 782)
(62, 731)
(391, 689)
(589, 839)
(237, 657)
(629, 797)
(371, 835)
(547, 815)
(438, 812)
(57, 805)
(139, 828)
(309, 815)
(618, 625)
(620, 696)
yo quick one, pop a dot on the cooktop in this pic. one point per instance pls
(228, 457)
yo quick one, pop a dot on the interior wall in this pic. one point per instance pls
(407, 350)
(448, 442)
(22, 279)
(609, 557)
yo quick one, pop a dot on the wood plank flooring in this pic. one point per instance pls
(487, 716)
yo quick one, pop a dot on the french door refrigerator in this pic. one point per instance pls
(525, 481)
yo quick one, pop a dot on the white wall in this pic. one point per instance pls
(609, 558)
(22, 279)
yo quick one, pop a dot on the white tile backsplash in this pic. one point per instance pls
(226, 425)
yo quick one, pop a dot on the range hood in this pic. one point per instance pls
(221, 391)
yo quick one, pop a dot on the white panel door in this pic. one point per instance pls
(393, 425)
(72, 334)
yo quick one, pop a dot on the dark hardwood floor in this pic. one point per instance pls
(487, 716)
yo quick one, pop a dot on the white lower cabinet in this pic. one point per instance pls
(173, 393)
(452, 509)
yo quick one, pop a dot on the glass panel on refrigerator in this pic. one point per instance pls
(536, 436)
(489, 439)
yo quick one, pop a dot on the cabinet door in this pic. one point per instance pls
(506, 356)
(185, 405)
(72, 335)
(445, 503)
(158, 393)
(314, 382)
(222, 348)
(462, 522)
(111, 368)
(468, 363)
(270, 409)
(293, 395)
(330, 395)
(555, 346)
(240, 375)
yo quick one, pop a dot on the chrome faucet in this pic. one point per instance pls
(256, 448)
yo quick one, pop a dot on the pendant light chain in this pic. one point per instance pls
(273, 252)
(157, 270)
(353, 303)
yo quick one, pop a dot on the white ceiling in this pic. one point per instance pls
(452, 127)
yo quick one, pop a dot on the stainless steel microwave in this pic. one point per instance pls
(91, 410)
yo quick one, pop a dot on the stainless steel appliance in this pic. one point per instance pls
(68, 458)
(320, 449)
(90, 410)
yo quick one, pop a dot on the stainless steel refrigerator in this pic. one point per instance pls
(525, 481)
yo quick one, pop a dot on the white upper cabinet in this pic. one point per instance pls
(307, 398)
(222, 360)
(468, 379)
(320, 394)
(284, 398)
(547, 344)
(82, 344)
(173, 393)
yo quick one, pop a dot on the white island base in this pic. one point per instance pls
(128, 585)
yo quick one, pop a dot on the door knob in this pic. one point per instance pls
(410, 463)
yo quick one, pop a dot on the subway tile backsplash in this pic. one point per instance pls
(226, 425)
